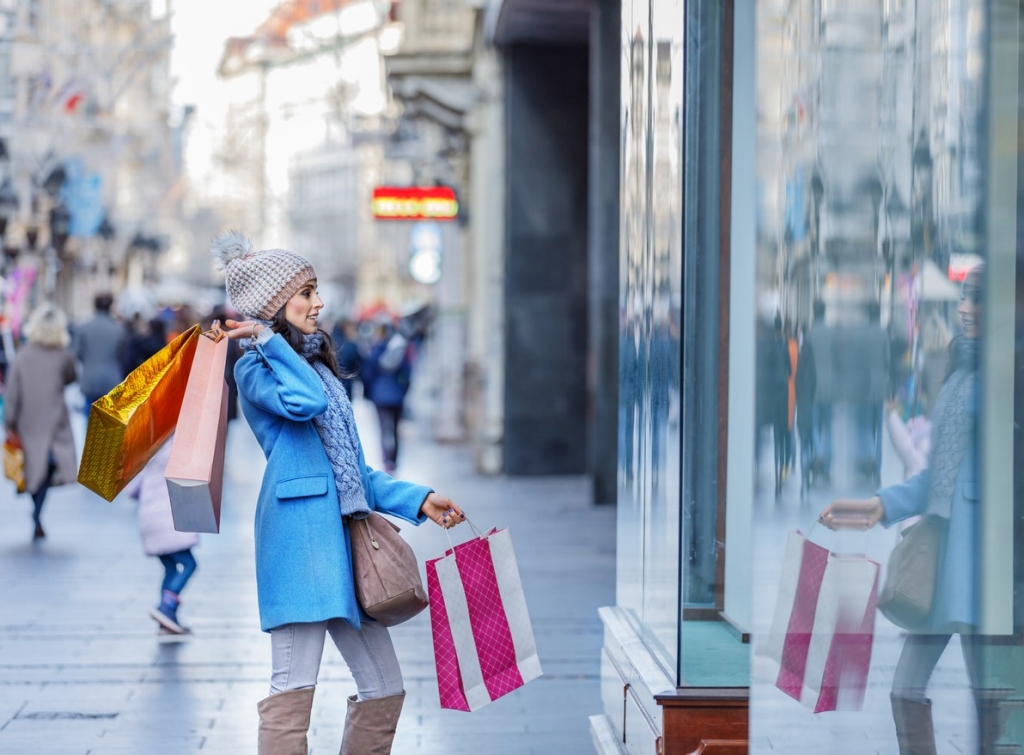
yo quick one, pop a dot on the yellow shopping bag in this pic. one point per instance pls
(129, 424)
(14, 461)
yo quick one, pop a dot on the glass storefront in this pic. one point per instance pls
(821, 314)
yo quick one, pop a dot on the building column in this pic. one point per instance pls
(546, 259)
(603, 250)
(486, 362)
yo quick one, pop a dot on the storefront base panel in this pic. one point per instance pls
(705, 721)
(630, 678)
(606, 741)
(645, 714)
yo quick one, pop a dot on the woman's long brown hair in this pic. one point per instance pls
(295, 338)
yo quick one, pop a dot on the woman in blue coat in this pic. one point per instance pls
(316, 480)
(948, 489)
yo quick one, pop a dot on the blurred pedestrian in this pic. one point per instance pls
(160, 539)
(864, 365)
(182, 318)
(315, 482)
(911, 439)
(947, 490)
(778, 366)
(346, 345)
(793, 354)
(36, 412)
(221, 315)
(822, 338)
(806, 386)
(386, 373)
(933, 356)
(99, 346)
(144, 342)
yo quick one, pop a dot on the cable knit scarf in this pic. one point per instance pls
(337, 428)
(952, 425)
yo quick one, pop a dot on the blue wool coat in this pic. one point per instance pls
(303, 554)
(956, 591)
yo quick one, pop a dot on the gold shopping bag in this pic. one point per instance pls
(129, 424)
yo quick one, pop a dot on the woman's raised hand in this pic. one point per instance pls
(442, 511)
(852, 514)
(242, 329)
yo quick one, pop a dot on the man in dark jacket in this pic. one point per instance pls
(865, 368)
(100, 349)
(822, 341)
(385, 375)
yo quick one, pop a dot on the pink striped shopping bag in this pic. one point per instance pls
(483, 641)
(824, 623)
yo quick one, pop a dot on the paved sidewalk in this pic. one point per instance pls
(82, 672)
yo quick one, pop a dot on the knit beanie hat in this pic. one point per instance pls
(259, 283)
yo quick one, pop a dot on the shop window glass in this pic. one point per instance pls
(885, 329)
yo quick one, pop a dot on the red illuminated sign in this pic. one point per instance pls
(414, 203)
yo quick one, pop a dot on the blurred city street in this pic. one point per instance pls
(710, 304)
(82, 671)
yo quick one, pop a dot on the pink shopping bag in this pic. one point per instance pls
(823, 627)
(195, 470)
(483, 641)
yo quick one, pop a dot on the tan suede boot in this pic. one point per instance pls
(914, 730)
(284, 721)
(370, 725)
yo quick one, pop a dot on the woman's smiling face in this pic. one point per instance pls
(304, 307)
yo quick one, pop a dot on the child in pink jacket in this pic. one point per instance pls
(159, 538)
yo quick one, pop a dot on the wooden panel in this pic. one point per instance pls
(703, 717)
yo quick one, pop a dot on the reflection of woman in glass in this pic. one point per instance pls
(948, 489)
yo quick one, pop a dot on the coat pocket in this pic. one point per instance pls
(970, 489)
(302, 487)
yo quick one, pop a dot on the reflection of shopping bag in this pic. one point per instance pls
(129, 424)
(824, 622)
(14, 461)
(483, 641)
(195, 470)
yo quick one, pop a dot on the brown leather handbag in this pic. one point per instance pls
(387, 576)
(909, 590)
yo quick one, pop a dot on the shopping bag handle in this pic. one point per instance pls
(215, 333)
(448, 534)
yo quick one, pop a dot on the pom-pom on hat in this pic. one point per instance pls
(259, 283)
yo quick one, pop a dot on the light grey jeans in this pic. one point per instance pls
(920, 656)
(297, 649)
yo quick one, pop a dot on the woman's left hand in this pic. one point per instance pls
(442, 511)
(235, 329)
(847, 514)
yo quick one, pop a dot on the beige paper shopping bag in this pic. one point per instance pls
(195, 471)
